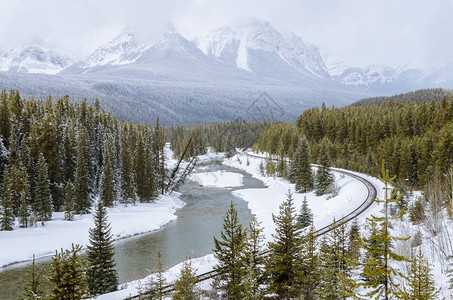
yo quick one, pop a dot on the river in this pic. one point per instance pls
(191, 235)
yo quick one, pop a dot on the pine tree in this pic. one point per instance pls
(108, 181)
(67, 275)
(253, 259)
(128, 191)
(301, 173)
(228, 252)
(251, 282)
(160, 281)
(354, 244)
(305, 217)
(284, 263)
(333, 266)
(421, 285)
(102, 276)
(43, 200)
(25, 209)
(33, 282)
(323, 176)
(69, 202)
(380, 278)
(310, 265)
(81, 186)
(185, 285)
(6, 212)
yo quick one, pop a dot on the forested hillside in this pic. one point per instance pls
(60, 154)
(221, 137)
(424, 95)
(415, 139)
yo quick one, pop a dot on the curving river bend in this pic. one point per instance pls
(191, 235)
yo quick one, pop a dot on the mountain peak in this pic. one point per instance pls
(123, 49)
(246, 45)
(33, 58)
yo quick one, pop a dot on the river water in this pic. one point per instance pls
(191, 235)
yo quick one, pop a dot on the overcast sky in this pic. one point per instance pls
(355, 32)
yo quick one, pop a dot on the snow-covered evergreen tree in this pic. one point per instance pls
(185, 285)
(6, 205)
(67, 275)
(310, 265)
(301, 173)
(253, 258)
(33, 282)
(25, 210)
(82, 189)
(43, 200)
(284, 263)
(305, 217)
(228, 251)
(323, 176)
(102, 277)
(108, 180)
(69, 202)
(421, 285)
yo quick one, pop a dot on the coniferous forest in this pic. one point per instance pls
(59, 154)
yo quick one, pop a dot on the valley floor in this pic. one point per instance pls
(265, 202)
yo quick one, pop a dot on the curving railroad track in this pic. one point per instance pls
(372, 193)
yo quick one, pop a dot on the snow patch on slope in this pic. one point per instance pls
(241, 60)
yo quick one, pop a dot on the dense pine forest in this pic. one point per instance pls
(424, 95)
(415, 139)
(221, 137)
(60, 154)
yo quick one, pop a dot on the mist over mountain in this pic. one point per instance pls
(216, 77)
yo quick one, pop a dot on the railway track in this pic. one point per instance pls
(372, 193)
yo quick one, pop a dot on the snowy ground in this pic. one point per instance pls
(265, 202)
(218, 179)
(21, 243)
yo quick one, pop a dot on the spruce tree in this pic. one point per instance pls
(108, 181)
(128, 187)
(160, 281)
(323, 176)
(301, 173)
(102, 276)
(354, 244)
(6, 212)
(380, 277)
(43, 199)
(305, 217)
(251, 282)
(32, 290)
(253, 258)
(284, 263)
(228, 252)
(421, 285)
(67, 275)
(25, 209)
(185, 285)
(81, 186)
(69, 202)
(333, 265)
(310, 266)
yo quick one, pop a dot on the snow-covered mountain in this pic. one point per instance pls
(366, 76)
(33, 59)
(257, 47)
(123, 49)
(217, 77)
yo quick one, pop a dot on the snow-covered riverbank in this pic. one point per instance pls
(21, 243)
(265, 202)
